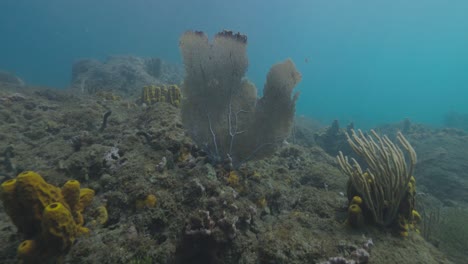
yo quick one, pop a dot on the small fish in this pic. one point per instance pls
(306, 60)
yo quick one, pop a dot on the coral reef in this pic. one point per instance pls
(287, 208)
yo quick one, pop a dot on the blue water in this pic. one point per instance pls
(368, 61)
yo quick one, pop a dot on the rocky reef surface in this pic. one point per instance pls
(9, 79)
(123, 75)
(166, 203)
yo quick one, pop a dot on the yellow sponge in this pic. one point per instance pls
(27, 251)
(48, 216)
(59, 226)
(71, 193)
(355, 216)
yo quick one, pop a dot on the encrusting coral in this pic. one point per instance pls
(49, 217)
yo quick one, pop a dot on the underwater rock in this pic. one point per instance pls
(303, 131)
(122, 74)
(333, 139)
(442, 168)
(10, 79)
(153, 67)
(456, 120)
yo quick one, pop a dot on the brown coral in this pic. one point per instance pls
(220, 107)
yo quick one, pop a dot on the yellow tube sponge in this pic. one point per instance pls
(102, 215)
(71, 193)
(27, 251)
(25, 199)
(355, 216)
(8, 195)
(149, 202)
(86, 197)
(356, 200)
(174, 95)
(58, 227)
(164, 93)
(37, 192)
(404, 226)
(48, 216)
(9, 187)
